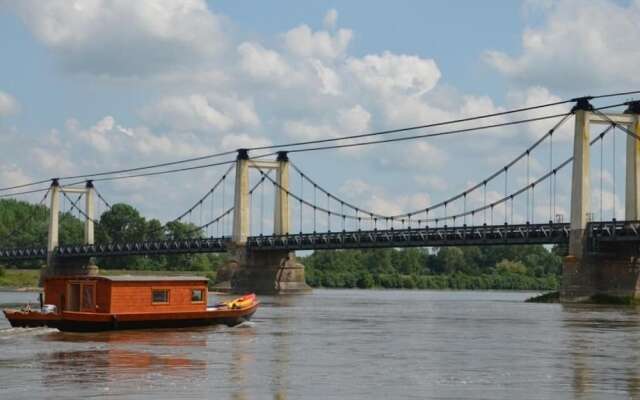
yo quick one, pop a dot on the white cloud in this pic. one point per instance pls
(185, 113)
(97, 135)
(417, 156)
(395, 74)
(243, 140)
(12, 175)
(303, 42)
(581, 46)
(122, 37)
(200, 112)
(329, 79)
(348, 121)
(375, 199)
(330, 19)
(261, 63)
(8, 104)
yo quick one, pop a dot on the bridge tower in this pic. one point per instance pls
(72, 267)
(611, 271)
(262, 271)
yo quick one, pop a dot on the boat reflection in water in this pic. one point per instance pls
(123, 358)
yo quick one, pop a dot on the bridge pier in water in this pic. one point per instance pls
(264, 272)
(611, 269)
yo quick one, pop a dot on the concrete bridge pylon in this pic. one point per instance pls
(259, 271)
(612, 270)
(79, 266)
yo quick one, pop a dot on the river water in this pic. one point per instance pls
(343, 344)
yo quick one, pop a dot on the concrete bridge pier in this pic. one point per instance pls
(612, 270)
(263, 272)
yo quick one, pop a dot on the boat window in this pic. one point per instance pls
(160, 296)
(197, 295)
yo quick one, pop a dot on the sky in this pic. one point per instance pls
(96, 85)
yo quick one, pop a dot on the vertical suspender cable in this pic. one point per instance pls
(511, 209)
(614, 171)
(262, 185)
(506, 180)
(464, 207)
(533, 202)
(550, 180)
(224, 185)
(301, 197)
(210, 227)
(528, 219)
(328, 213)
(601, 177)
(484, 195)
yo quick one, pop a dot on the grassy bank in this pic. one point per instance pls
(19, 278)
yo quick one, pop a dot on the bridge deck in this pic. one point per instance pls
(483, 235)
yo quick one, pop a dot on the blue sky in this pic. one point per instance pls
(94, 85)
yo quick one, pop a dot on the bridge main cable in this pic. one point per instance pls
(303, 143)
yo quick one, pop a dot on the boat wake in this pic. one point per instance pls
(245, 324)
(12, 333)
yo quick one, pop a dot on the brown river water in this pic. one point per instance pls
(343, 344)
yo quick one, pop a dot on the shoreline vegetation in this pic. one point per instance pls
(526, 267)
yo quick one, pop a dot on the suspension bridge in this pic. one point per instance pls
(230, 216)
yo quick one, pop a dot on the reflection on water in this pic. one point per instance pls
(345, 344)
(603, 344)
(111, 366)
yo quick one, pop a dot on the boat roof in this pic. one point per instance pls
(147, 278)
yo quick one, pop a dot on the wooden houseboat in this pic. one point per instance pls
(95, 303)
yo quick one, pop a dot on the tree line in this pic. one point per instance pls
(490, 267)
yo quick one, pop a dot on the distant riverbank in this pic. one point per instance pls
(27, 280)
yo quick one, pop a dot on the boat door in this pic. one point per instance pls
(81, 296)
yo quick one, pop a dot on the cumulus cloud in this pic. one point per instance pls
(11, 175)
(581, 45)
(376, 199)
(8, 104)
(303, 84)
(392, 73)
(121, 37)
(303, 42)
(348, 121)
(262, 63)
(330, 19)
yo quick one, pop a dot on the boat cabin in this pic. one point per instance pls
(127, 294)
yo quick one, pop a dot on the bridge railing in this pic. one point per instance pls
(612, 231)
(422, 237)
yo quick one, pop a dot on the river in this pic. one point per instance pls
(343, 344)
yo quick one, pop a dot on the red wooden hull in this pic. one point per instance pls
(92, 322)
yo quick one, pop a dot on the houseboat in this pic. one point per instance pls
(97, 303)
